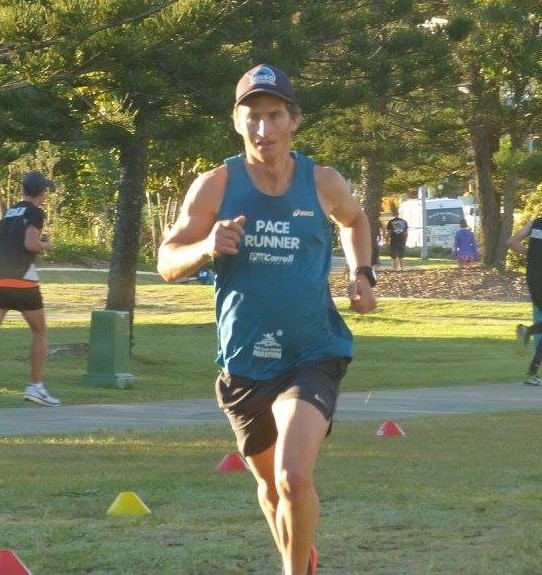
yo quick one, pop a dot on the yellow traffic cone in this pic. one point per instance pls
(128, 503)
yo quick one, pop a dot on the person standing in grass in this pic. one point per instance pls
(21, 240)
(397, 232)
(465, 247)
(532, 232)
(262, 217)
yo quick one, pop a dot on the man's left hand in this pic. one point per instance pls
(361, 295)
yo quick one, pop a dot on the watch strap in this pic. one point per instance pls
(368, 272)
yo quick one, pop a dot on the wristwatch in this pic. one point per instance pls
(368, 272)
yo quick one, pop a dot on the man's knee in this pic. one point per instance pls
(36, 322)
(38, 330)
(294, 482)
(267, 493)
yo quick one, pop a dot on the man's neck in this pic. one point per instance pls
(271, 177)
(36, 200)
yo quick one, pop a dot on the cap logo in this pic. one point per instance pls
(263, 76)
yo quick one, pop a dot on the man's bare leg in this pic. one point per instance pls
(263, 468)
(38, 348)
(301, 430)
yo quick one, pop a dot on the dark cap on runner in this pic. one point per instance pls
(265, 79)
(35, 182)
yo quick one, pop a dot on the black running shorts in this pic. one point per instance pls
(397, 250)
(21, 299)
(248, 402)
(535, 289)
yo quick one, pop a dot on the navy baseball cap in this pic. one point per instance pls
(35, 182)
(265, 79)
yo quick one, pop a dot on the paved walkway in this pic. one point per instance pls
(353, 406)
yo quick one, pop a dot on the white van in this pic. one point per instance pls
(442, 220)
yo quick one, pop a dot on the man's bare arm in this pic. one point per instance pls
(516, 241)
(197, 236)
(355, 233)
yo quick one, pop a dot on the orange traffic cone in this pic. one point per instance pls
(232, 463)
(390, 429)
(10, 564)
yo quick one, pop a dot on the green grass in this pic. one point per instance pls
(457, 495)
(404, 344)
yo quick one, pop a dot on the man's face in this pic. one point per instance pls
(36, 200)
(41, 197)
(266, 125)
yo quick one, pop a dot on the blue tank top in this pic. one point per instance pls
(273, 304)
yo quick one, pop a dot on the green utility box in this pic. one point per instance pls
(109, 350)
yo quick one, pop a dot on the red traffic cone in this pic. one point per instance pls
(232, 463)
(10, 564)
(390, 429)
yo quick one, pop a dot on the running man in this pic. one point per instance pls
(262, 217)
(532, 232)
(21, 240)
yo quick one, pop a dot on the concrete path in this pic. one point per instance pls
(378, 405)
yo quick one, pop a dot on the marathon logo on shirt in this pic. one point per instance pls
(268, 347)
(536, 233)
(273, 235)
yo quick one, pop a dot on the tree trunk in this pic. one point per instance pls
(509, 203)
(485, 141)
(374, 181)
(133, 173)
(517, 137)
(375, 175)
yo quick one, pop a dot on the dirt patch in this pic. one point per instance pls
(477, 283)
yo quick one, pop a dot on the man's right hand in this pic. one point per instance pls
(225, 237)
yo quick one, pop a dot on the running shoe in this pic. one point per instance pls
(532, 379)
(522, 338)
(39, 395)
(313, 561)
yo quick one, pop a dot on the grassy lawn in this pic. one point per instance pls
(457, 495)
(404, 344)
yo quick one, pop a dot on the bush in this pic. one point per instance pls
(78, 252)
(88, 253)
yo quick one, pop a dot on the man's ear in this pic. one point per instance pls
(296, 121)
(235, 117)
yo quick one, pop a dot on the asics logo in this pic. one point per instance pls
(302, 213)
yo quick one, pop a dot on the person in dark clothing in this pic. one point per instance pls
(532, 232)
(397, 232)
(21, 240)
